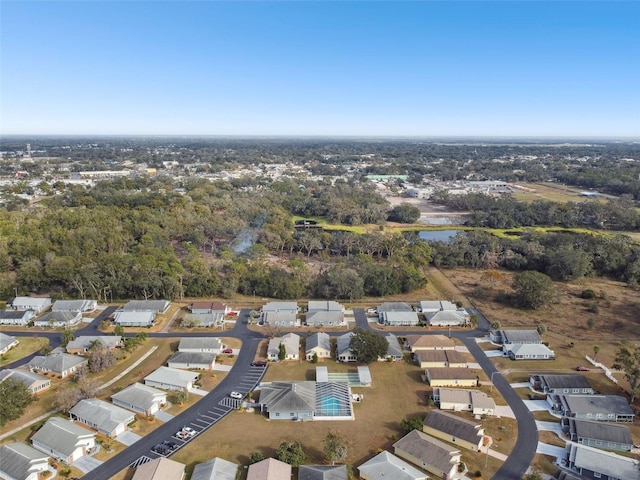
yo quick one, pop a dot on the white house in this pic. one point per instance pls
(63, 440)
(31, 303)
(200, 345)
(7, 342)
(19, 461)
(157, 306)
(110, 420)
(16, 317)
(61, 364)
(135, 318)
(140, 399)
(58, 319)
(74, 306)
(171, 379)
(291, 343)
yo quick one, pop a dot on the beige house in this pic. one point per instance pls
(415, 343)
(440, 358)
(35, 383)
(461, 400)
(160, 469)
(453, 429)
(451, 377)
(269, 469)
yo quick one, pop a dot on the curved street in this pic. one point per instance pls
(243, 378)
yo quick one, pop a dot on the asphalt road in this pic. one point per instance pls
(242, 377)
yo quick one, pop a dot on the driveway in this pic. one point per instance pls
(550, 427)
(163, 416)
(222, 368)
(86, 463)
(552, 450)
(128, 438)
(504, 411)
(520, 385)
(493, 353)
(197, 391)
(536, 405)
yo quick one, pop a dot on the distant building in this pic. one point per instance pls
(31, 303)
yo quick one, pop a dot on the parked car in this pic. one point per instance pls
(237, 395)
(170, 445)
(233, 314)
(372, 310)
(161, 449)
(182, 435)
(189, 431)
(227, 351)
(582, 369)
(259, 363)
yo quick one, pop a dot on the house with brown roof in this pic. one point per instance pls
(415, 343)
(428, 453)
(160, 469)
(454, 429)
(269, 469)
(451, 377)
(463, 400)
(440, 358)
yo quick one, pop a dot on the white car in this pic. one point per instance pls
(189, 431)
(372, 310)
(237, 395)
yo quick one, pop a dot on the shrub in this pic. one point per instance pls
(593, 308)
(477, 474)
(588, 294)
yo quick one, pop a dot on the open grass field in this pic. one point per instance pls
(27, 346)
(554, 192)
(377, 423)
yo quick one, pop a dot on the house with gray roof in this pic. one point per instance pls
(447, 318)
(289, 400)
(283, 314)
(7, 342)
(428, 453)
(81, 345)
(394, 351)
(324, 313)
(202, 320)
(605, 435)
(140, 399)
(291, 343)
(200, 345)
(107, 419)
(215, 469)
(35, 383)
(454, 429)
(74, 306)
(269, 469)
(343, 348)
(37, 304)
(394, 307)
(397, 314)
(440, 358)
(318, 344)
(16, 317)
(171, 379)
(386, 465)
(135, 318)
(192, 360)
(510, 338)
(561, 384)
(58, 319)
(63, 440)
(157, 306)
(530, 351)
(19, 461)
(463, 400)
(594, 463)
(323, 472)
(60, 364)
(608, 408)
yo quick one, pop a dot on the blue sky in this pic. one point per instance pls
(320, 68)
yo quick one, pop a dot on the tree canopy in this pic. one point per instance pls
(336, 447)
(628, 360)
(533, 290)
(367, 345)
(291, 453)
(15, 397)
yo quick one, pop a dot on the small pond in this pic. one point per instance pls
(438, 235)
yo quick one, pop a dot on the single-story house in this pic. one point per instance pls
(107, 419)
(64, 440)
(135, 318)
(74, 306)
(594, 463)
(453, 429)
(447, 318)
(192, 360)
(215, 469)
(140, 399)
(386, 465)
(432, 306)
(82, 344)
(291, 343)
(171, 379)
(204, 308)
(394, 307)
(397, 314)
(58, 319)
(394, 351)
(281, 313)
(530, 351)
(324, 313)
(343, 349)
(7, 342)
(160, 469)
(35, 383)
(608, 408)
(558, 384)
(451, 377)
(60, 364)
(269, 469)
(428, 453)
(38, 305)
(157, 306)
(461, 400)
(203, 320)
(306, 401)
(19, 461)
(200, 345)
(415, 343)
(509, 338)
(16, 317)
(322, 472)
(605, 435)
(440, 358)
(318, 344)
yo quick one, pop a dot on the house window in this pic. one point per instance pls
(598, 442)
(277, 414)
(597, 475)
